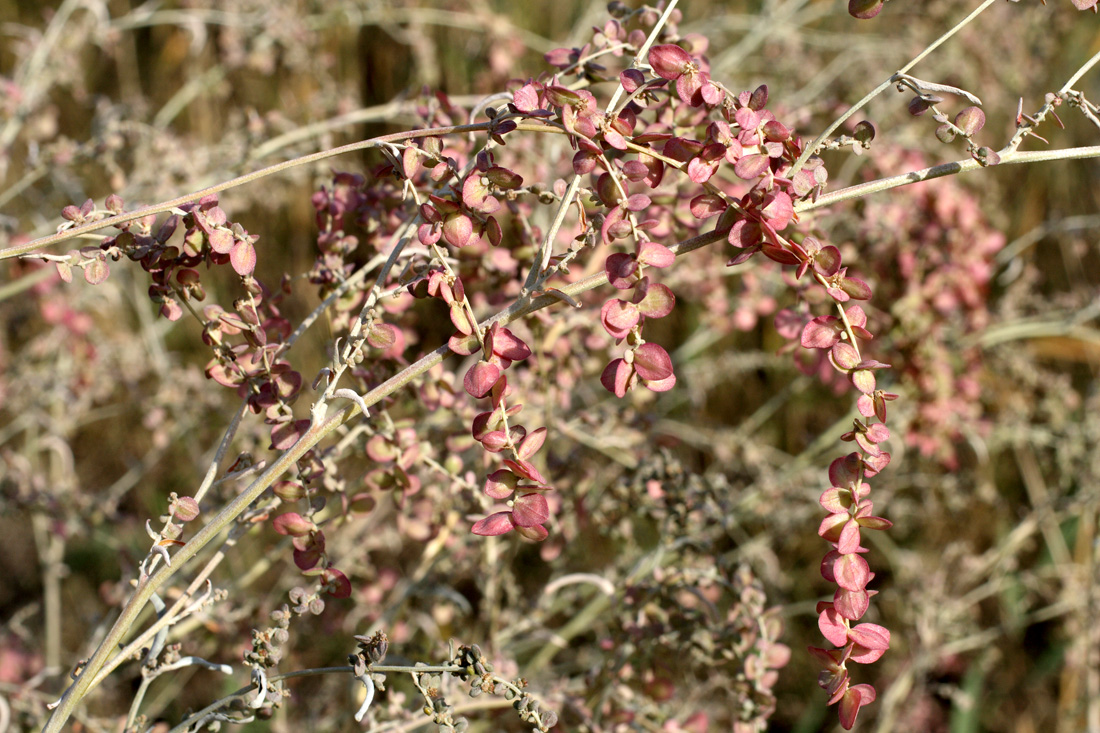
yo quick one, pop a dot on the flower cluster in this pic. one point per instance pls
(739, 133)
(850, 511)
(210, 239)
(529, 511)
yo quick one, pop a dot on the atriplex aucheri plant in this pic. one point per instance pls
(496, 260)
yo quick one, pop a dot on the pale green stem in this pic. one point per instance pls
(943, 169)
(639, 59)
(285, 462)
(812, 148)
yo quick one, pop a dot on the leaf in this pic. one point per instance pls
(504, 178)
(480, 378)
(477, 196)
(500, 484)
(531, 444)
(751, 166)
(778, 210)
(852, 572)
(530, 510)
(856, 288)
(381, 450)
(186, 508)
(526, 98)
(833, 627)
(655, 255)
(745, 233)
(669, 61)
(458, 230)
(821, 333)
(620, 268)
(759, 98)
(707, 205)
(289, 491)
(832, 525)
(525, 469)
(221, 240)
(285, 435)
(661, 385)
(293, 525)
(509, 346)
(658, 302)
(700, 171)
(382, 336)
(851, 604)
(560, 96)
(96, 271)
(652, 362)
(243, 257)
(864, 10)
(494, 524)
(616, 377)
(618, 317)
(494, 441)
(337, 584)
(631, 79)
(537, 533)
(870, 636)
(845, 471)
(460, 318)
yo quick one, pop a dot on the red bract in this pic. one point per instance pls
(526, 98)
(458, 230)
(654, 300)
(841, 288)
(670, 61)
(335, 583)
(505, 345)
(652, 362)
(530, 510)
(494, 524)
(618, 317)
(874, 404)
(293, 524)
(853, 699)
(616, 377)
(480, 378)
(620, 268)
(864, 10)
(527, 517)
(655, 255)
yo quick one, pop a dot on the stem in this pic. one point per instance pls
(255, 176)
(939, 171)
(848, 330)
(313, 672)
(90, 676)
(548, 243)
(643, 52)
(249, 178)
(813, 147)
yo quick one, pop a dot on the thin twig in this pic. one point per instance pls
(813, 147)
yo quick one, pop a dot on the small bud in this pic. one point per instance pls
(970, 120)
(918, 106)
(986, 156)
(945, 133)
(864, 133)
(864, 9)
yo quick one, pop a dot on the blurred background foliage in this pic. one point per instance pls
(988, 580)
